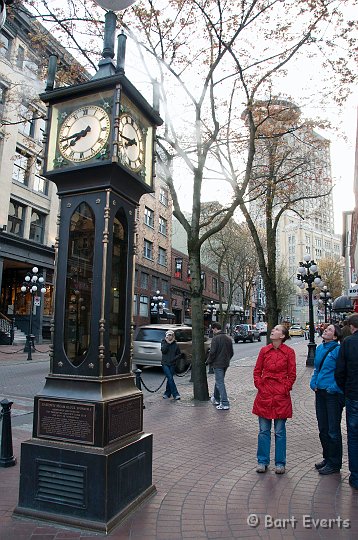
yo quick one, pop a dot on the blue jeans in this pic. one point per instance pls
(329, 409)
(219, 387)
(352, 438)
(264, 441)
(171, 389)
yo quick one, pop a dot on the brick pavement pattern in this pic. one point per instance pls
(204, 471)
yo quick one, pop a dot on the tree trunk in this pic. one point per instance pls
(200, 383)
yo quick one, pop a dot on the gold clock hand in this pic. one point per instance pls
(77, 135)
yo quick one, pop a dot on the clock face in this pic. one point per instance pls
(130, 142)
(84, 133)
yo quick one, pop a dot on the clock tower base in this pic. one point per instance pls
(90, 488)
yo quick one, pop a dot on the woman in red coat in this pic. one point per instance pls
(274, 375)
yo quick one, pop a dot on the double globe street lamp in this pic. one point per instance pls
(325, 296)
(307, 275)
(33, 284)
(157, 304)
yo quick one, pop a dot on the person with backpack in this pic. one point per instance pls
(329, 400)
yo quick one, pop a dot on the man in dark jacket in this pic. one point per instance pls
(221, 351)
(346, 375)
(170, 354)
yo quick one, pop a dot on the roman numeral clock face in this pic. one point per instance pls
(84, 133)
(130, 142)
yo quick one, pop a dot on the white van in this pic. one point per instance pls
(262, 328)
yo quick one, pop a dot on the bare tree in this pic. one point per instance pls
(331, 271)
(207, 57)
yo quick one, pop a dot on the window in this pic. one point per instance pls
(3, 90)
(203, 279)
(178, 269)
(149, 217)
(40, 183)
(21, 169)
(37, 226)
(163, 196)
(163, 226)
(143, 306)
(165, 286)
(155, 283)
(144, 280)
(135, 305)
(15, 223)
(162, 256)
(215, 285)
(148, 249)
(20, 57)
(27, 124)
(5, 44)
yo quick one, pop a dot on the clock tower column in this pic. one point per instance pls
(89, 462)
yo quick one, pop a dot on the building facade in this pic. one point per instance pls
(29, 203)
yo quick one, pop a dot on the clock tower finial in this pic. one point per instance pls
(106, 66)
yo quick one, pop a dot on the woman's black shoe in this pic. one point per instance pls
(321, 464)
(328, 470)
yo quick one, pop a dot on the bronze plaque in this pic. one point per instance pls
(124, 418)
(66, 421)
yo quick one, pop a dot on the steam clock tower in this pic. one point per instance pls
(89, 462)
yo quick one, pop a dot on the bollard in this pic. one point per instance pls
(138, 384)
(137, 373)
(7, 458)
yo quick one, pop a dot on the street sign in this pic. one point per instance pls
(353, 292)
(37, 301)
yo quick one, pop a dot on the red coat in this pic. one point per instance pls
(274, 375)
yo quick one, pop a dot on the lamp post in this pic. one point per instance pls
(307, 275)
(33, 284)
(325, 295)
(156, 304)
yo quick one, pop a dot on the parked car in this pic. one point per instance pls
(147, 340)
(262, 328)
(296, 330)
(246, 332)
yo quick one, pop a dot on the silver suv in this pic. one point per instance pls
(246, 332)
(147, 340)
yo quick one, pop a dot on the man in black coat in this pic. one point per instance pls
(346, 375)
(221, 351)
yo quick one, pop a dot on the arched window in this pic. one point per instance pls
(78, 305)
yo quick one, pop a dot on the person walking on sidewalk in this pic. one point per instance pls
(346, 375)
(274, 375)
(329, 400)
(170, 354)
(221, 352)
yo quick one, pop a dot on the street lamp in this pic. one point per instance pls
(307, 275)
(33, 284)
(157, 304)
(325, 295)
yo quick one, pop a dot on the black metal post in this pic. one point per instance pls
(311, 345)
(30, 337)
(7, 458)
(307, 274)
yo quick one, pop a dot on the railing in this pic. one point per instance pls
(6, 329)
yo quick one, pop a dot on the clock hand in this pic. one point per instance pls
(130, 142)
(77, 135)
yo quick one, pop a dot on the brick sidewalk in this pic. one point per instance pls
(15, 353)
(204, 471)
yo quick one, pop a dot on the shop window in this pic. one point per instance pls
(143, 306)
